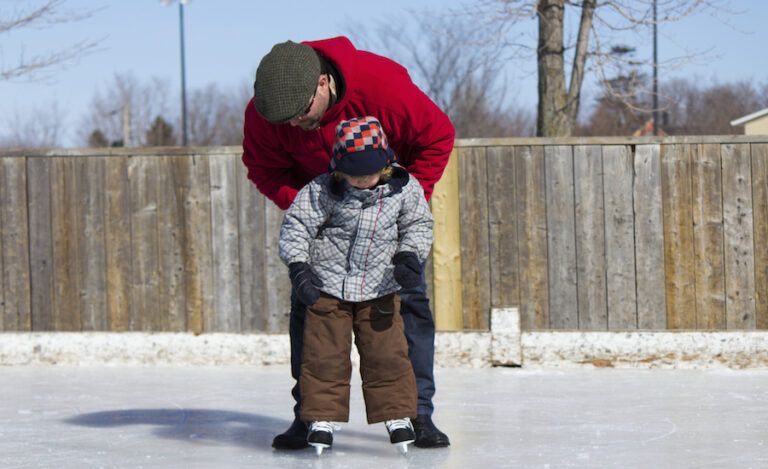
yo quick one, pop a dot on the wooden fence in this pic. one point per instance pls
(135, 240)
(592, 234)
(612, 233)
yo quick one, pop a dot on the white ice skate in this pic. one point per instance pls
(320, 435)
(400, 433)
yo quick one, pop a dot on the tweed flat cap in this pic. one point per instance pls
(286, 80)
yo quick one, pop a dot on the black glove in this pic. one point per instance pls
(305, 282)
(407, 269)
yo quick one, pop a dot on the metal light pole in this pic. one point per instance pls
(183, 70)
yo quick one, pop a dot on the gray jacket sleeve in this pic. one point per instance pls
(302, 221)
(415, 222)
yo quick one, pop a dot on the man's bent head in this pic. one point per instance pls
(286, 82)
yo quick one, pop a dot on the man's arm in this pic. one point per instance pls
(423, 131)
(269, 167)
(434, 144)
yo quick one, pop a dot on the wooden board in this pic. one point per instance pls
(171, 233)
(143, 174)
(590, 237)
(760, 210)
(14, 246)
(532, 219)
(119, 255)
(276, 273)
(225, 243)
(89, 183)
(739, 238)
(708, 236)
(67, 305)
(2, 267)
(473, 206)
(446, 249)
(619, 237)
(561, 237)
(649, 239)
(40, 243)
(194, 178)
(502, 223)
(253, 284)
(678, 237)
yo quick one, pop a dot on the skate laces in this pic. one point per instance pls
(397, 424)
(323, 426)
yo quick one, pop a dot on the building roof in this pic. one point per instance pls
(750, 117)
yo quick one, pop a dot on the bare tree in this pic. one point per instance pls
(614, 115)
(558, 106)
(216, 117)
(40, 128)
(622, 106)
(125, 109)
(475, 116)
(450, 62)
(43, 14)
(126, 113)
(691, 108)
(696, 109)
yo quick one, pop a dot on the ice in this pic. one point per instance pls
(219, 417)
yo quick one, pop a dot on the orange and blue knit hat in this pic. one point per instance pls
(361, 147)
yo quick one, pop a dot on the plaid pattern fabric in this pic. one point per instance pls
(350, 242)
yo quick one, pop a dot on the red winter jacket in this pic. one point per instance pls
(281, 159)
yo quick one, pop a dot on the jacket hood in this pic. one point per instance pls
(396, 183)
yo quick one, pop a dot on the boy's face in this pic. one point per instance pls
(362, 182)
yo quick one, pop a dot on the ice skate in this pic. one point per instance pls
(320, 435)
(400, 433)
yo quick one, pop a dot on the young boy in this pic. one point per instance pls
(351, 239)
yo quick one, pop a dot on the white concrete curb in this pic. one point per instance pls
(504, 345)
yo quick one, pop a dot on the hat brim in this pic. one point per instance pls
(362, 163)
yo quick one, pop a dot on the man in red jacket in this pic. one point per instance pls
(301, 92)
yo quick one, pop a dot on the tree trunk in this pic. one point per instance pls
(552, 119)
(580, 60)
(558, 106)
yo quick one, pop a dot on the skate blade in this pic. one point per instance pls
(403, 447)
(319, 447)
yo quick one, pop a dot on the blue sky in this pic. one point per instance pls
(226, 38)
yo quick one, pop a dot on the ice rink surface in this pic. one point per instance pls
(196, 417)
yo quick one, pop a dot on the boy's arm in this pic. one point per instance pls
(415, 223)
(301, 223)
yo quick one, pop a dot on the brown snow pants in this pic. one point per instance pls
(389, 385)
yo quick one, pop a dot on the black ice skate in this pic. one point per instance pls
(400, 433)
(321, 435)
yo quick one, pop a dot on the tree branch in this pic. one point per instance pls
(49, 13)
(580, 57)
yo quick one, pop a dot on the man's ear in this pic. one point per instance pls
(323, 80)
